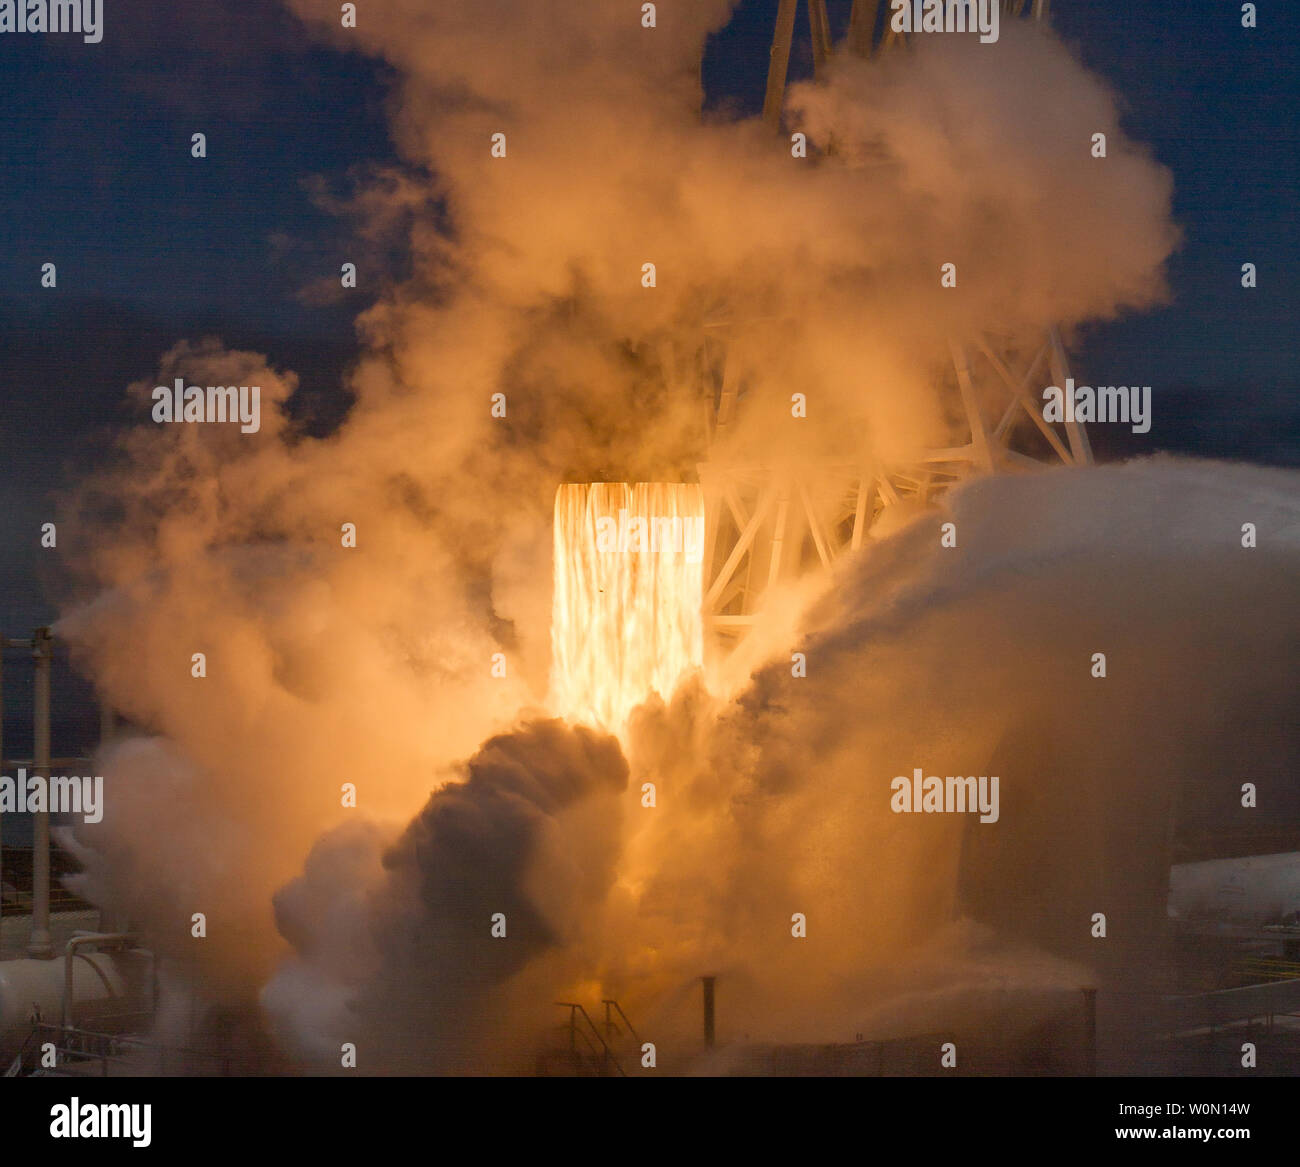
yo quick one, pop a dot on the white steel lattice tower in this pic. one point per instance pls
(764, 525)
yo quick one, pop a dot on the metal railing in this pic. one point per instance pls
(1209, 1012)
(1264, 968)
(611, 1027)
(598, 1048)
(83, 1051)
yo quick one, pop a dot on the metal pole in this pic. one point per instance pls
(108, 921)
(778, 540)
(862, 26)
(819, 26)
(979, 438)
(779, 63)
(39, 946)
(10, 643)
(2, 767)
(1090, 1031)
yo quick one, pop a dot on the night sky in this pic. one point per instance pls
(153, 246)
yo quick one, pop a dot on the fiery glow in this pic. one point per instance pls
(628, 590)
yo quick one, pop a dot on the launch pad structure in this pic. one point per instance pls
(765, 524)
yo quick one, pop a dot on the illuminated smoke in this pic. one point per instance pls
(967, 659)
(371, 665)
(627, 593)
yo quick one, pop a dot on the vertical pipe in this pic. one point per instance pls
(1090, 1032)
(108, 921)
(779, 64)
(2, 767)
(38, 946)
(708, 1011)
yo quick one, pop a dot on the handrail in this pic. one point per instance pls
(69, 953)
(575, 1008)
(609, 1023)
(89, 1045)
(574, 1033)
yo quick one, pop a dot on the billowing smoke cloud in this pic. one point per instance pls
(824, 271)
(327, 664)
(494, 873)
(979, 660)
(975, 660)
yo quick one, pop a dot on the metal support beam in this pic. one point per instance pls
(862, 26)
(778, 538)
(865, 486)
(729, 394)
(820, 26)
(39, 946)
(779, 64)
(1080, 447)
(741, 545)
(755, 518)
(983, 455)
(823, 545)
(1025, 400)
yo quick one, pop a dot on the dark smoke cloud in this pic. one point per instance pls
(531, 835)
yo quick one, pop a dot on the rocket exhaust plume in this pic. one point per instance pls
(626, 618)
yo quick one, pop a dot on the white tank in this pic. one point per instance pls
(103, 984)
(1249, 892)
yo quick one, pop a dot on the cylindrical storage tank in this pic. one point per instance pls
(105, 985)
(1220, 894)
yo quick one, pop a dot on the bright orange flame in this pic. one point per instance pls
(628, 591)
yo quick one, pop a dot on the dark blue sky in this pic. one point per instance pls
(1218, 104)
(153, 247)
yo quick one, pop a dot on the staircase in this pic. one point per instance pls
(585, 1050)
